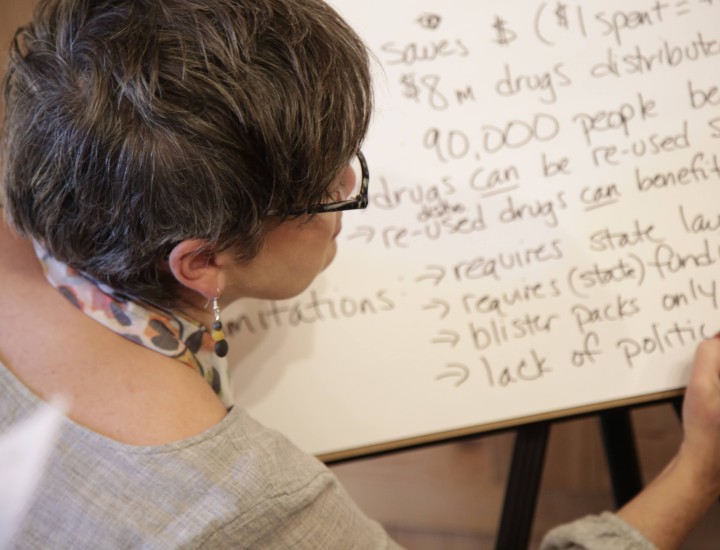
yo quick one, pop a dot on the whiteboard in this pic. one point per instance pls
(542, 235)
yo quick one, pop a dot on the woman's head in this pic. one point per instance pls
(132, 125)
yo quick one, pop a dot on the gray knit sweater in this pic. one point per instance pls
(238, 485)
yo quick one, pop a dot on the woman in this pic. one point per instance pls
(163, 158)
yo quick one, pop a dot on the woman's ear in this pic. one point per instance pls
(196, 266)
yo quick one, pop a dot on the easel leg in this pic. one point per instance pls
(677, 404)
(523, 485)
(621, 454)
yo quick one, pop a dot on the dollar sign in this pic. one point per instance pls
(410, 89)
(504, 35)
(561, 14)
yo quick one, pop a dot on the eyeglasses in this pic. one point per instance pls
(347, 198)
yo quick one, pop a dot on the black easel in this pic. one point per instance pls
(523, 486)
(621, 454)
(521, 492)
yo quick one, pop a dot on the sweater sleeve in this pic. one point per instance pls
(604, 532)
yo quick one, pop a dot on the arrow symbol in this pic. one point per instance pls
(437, 303)
(363, 231)
(455, 370)
(447, 337)
(435, 273)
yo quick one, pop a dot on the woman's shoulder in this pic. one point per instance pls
(233, 438)
(235, 483)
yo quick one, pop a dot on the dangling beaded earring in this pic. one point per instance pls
(217, 334)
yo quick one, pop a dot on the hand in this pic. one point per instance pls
(669, 507)
(700, 449)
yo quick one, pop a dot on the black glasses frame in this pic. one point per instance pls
(357, 202)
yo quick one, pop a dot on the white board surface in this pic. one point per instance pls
(543, 231)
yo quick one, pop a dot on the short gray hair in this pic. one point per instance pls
(131, 125)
